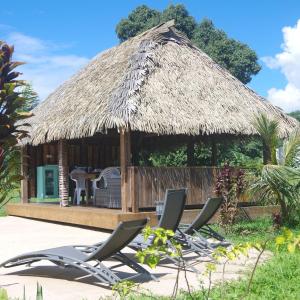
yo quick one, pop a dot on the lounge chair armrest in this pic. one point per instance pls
(182, 225)
(86, 248)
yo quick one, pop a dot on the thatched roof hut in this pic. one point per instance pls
(157, 82)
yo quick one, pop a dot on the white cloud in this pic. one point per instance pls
(288, 61)
(46, 68)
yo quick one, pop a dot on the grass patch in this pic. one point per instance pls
(278, 278)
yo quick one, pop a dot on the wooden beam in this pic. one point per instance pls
(63, 172)
(190, 151)
(125, 161)
(24, 173)
(214, 152)
(133, 190)
(32, 171)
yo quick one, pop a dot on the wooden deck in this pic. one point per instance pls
(85, 216)
(103, 217)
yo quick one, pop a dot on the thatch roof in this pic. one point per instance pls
(156, 82)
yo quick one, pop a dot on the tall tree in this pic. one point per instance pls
(238, 58)
(30, 96)
(140, 19)
(183, 21)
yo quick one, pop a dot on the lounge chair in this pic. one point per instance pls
(73, 256)
(199, 229)
(172, 212)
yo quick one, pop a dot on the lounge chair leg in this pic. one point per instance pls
(208, 230)
(134, 265)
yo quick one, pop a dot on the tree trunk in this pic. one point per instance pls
(284, 209)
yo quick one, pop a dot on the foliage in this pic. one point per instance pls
(230, 186)
(241, 153)
(291, 150)
(273, 280)
(11, 100)
(236, 57)
(268, 131)
(140, 19)
(163, 244)
(12, 103)
(244, 153)
(288, 240)
(183, 21)
(9, 176)
(3, 294)
(39, 293)
(278, 182)
(177, 157)
(276, 279)
(295, 114)
(30, 96)
(124, 288)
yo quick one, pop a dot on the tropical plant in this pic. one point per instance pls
(11, 100)
(230, 186)
(279, 181)
(269, 132)
(11, 112)
(31, 98)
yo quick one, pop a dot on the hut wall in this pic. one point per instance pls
(146, 185)
(90, 152)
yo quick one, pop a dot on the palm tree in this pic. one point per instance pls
(268, 131)
(279, 182)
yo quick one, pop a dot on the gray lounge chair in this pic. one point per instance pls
(170, 218)
(73, 256)
(199, 228)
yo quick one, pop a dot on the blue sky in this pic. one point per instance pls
(56, 38)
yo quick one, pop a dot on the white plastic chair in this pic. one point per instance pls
(79, 177)
(110, 187)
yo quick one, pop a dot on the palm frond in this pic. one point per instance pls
(292, 149)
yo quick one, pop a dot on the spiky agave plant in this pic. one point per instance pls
(279, 182)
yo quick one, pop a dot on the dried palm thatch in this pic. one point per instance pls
(156, 82)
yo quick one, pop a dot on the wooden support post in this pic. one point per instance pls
(214, 151)
(133, 190)
(63, 171)
(125, 161)
(24, 173)
(190, 152)
(32, 171)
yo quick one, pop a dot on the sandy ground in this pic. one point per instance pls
(20, 235)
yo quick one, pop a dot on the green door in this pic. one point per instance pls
(47, 181)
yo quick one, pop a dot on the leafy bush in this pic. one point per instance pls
(229, 185)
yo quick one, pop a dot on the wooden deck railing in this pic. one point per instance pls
(146, 185)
